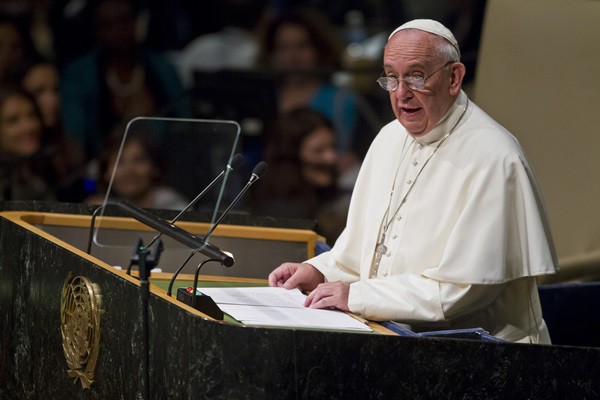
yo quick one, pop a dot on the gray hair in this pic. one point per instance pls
(447, 52)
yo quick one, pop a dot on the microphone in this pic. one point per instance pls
(258, 171)
(177, 233)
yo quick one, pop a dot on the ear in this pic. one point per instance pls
(457, 76)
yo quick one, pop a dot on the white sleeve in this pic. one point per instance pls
(416, 300)
(332, 269)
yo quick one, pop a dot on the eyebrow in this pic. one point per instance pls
(411, 67)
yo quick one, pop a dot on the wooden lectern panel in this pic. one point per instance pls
(257, 250)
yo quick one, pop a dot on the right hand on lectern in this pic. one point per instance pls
(293, 275)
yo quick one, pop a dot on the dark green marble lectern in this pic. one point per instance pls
(195, 357)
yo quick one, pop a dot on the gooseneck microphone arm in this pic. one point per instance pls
(172, 281)
(196, 279)
(235, 163)
(257, 173)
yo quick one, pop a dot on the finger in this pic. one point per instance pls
(323, 289)
(309, 298)
(325, 302)
(317, 295)
(279, 275)
(273, 279)
(293, 280)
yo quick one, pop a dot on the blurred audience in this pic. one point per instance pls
(109, 76)
(118, 81)
(233, 47)
(41, 79)
(301, 46)
(139, 176)
(302, 178)
(26, 172)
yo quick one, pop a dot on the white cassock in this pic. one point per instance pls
(465, 245)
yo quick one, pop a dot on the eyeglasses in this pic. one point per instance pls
(414, 82)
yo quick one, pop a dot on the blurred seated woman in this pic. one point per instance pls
(302, 177)
(138, 178)
(41, 79)
(301, 46)
(26, 173)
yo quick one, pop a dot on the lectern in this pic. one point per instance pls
(193, 356)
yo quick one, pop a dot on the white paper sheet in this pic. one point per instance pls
(267, 306)
(256, 296)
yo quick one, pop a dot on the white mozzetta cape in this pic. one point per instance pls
(472, 225)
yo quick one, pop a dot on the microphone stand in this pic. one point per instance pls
(146, 258)
(196, 280)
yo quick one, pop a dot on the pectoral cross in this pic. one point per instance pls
(380, 250)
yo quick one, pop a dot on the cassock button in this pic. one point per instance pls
(408, 182)
(395, 236)
(414, 163)
(385, 274)
(399, 218)
(419, 145)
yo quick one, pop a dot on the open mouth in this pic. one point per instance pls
(409, 112)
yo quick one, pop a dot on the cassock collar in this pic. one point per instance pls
(447, 122)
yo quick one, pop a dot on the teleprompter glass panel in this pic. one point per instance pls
(165, 163)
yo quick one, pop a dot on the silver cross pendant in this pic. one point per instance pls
(381, 248)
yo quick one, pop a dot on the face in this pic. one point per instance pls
(134, 177)
(20, 127)
(42, 82)
(318, 157)
(293, 50)
(414, 53)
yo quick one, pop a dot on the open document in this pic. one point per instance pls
(269, 306)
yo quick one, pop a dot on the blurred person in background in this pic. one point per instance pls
(300, 46)
(41, 79)
(139, 176)
(235, 46)
(302, 178)
(116, 82)
(26, 173)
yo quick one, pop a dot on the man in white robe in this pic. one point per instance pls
(447, 227)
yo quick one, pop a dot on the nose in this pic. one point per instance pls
(330, 156)
(403, 92)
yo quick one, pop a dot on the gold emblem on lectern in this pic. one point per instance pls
(80, 311)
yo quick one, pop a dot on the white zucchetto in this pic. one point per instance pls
(431, 26)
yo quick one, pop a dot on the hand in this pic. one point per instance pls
(329, 294)
(293, 275)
